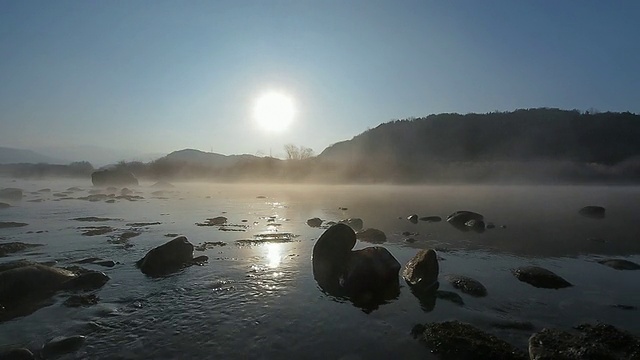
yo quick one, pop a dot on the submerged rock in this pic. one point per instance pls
(450, 296)
(216, 221)
(596, 212)
(422, 270)
(62, 345)
(4, 205)
(23, 285)
(460, 341)
(17, 354)
(11, 224)
(11, 194)
(540, 277)
(169, 257)
(372, 235)
(599, 341)
(467, 285)
(314, 222)
(620, 264)
(12, 247)
(113, 178)
(81, 300)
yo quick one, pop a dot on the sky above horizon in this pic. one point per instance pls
(159, 76)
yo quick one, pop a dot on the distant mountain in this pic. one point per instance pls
(19, 156)
(96, 155)
(209, 159)
(520, 136)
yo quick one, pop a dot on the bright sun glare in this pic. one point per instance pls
(274, 111)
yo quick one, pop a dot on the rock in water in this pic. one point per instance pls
(467, 285)
(422, 270)
(113, 178)
(371, 235)
(62, 345)
(4, 205)
(466, 220)
(599, 341)
(540, 277)
(370, 269)
(413, 218)
(17, 354)
(11, 194)
(596, 212)
(620, 264)
(431, 218)
(335, 243)
(169, 257)
(461, 341)
(367, 277)
(314, 222)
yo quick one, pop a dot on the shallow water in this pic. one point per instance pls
(260, 300)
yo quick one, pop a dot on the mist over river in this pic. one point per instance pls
(256, 297)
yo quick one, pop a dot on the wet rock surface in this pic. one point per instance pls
(589, 342)
(422, 270)
(314, 222)
(620, 264)
(454, 340)
(216, 221)
(62, 345)
(11, 224)
(167, 258)
(367, 277)
(540, 277)
(413, 218)
(467, 285)
(467, 220)
(13, 247)
(24, 285)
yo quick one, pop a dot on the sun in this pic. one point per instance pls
(274, 111)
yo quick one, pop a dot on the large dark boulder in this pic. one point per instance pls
(335, 244)
(422, 270)
(588, 342)
(371, 269)
(368, 277)
(169, 257)
(540, 277)
(113, 178)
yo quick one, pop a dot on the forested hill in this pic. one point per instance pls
(522, 135)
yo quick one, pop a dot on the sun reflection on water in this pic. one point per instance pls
(274, 255)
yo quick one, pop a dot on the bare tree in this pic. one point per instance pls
(295, 152)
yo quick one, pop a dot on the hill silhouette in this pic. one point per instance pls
(533, 146)
(523, 135)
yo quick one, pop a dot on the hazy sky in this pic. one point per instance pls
(157, 76)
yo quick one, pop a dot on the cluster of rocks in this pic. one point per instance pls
(457, 340)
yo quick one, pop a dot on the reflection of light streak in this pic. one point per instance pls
(273, 255)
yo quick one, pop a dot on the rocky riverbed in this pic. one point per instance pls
(523, 260)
